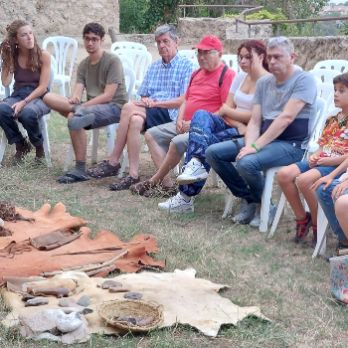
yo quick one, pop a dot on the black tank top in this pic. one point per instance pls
(26, 77)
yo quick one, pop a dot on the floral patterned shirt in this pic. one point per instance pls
(334, 138)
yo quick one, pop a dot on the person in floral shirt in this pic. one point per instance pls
(300, 176)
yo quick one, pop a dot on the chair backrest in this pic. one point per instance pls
(140, 61)
(129, 77)
(190, 55)
(325, 75)
(340, 65)
(231, 60)
(64, 52)
(127, 45)
(317, 125)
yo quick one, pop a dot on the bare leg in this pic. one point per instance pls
(170, 161)
(304, 182)
(58, 103)
(79, 142)
(341, 208)
(128, 111)
(286, 179)
(157, 153)
(133, 144)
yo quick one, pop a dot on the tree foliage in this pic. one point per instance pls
(144, 15)
(294, 8)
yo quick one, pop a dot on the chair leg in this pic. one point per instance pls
(214, 178)
(124, 164)
(279, 212)
(111, 136)
(46, 144)
(3, 144)
(228, 204)
(69, 158)
(322, 223)
(266, 203)
(95, 140)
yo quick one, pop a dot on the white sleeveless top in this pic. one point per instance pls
(242, 100)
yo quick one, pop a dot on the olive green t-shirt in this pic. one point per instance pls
(95, 77)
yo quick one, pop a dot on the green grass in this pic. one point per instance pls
(278, 276)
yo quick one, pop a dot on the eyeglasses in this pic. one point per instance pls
(92, 39)
(205, 52)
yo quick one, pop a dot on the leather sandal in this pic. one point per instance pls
(141, 187)
(124, 183)
(103, 169)
(71, 178)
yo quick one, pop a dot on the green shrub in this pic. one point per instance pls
(265, 14)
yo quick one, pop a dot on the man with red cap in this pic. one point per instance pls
(208, 90)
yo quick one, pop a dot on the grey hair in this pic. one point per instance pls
(281, 41)
(167, 28)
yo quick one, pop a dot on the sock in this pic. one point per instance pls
(80, 167)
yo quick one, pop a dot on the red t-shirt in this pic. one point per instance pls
(204, 93)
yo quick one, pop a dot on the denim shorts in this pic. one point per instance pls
(323, 170)
(105, 114)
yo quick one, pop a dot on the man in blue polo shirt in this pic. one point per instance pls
(161, 94)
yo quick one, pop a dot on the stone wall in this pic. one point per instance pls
(60, 17)
(309, 49)
(192, 29)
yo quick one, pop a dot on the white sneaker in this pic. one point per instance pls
(246, 213)
(193, 171)
(177, 204)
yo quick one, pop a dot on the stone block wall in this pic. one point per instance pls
(310, 50)
(61, 17)
(192, 29)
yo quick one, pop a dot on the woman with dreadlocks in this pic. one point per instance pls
(23, 60)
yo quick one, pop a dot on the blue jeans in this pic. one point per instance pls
(246, 178)
(29, 117)
(328, 205)
(205, 129)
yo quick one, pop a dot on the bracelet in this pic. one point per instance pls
(255, 147)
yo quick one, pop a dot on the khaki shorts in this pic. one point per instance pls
(166, 133)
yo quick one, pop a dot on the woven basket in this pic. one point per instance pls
(111, 311)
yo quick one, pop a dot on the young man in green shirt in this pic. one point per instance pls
(101, 76)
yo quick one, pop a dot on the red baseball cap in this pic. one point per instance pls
(210, 42)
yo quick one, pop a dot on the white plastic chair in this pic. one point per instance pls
(340, 65)
(139, 59)
(190, 55)
(325, 75)
(64, 52)
(321, 116)
(110, 130)
(44, 130)
(127, 45)
(231, 60)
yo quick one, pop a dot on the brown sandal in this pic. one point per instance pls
(103, 169)
(160, 191)
(124, 184)
(141, 187)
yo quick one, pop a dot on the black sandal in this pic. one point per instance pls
(71, 178)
